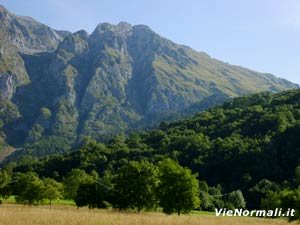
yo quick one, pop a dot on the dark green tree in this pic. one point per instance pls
(206, 201)
(271, 201)
(29, 189)
(260, 191)
(86, 195)
(52, 189)
(290, 199)
(236, 200)
(135, 185)
(216, 197)
(178, 190)
(91, 195)
(73, 179)
(5, 179)
(296, 179)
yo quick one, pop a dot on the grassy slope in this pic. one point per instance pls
(203, 73)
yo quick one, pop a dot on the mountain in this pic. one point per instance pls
(247, 144)
(19, 35)
(57, 87)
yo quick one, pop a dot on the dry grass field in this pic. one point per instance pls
(11, 214)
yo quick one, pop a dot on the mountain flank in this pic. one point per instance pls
(58, 88)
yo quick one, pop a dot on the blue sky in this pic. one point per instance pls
(263, 35)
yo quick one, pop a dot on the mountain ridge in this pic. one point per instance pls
(118, 78)
(24, 27)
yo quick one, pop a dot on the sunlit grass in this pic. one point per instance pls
(11, 200)
(13, 214)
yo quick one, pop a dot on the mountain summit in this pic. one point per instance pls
(57, 87)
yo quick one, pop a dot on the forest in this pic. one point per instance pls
(242, 154)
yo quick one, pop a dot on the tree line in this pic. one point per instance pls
(137, 185)
(250, 144)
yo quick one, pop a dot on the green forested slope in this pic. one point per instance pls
(236, 145)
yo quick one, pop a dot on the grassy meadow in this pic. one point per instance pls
(14, 214)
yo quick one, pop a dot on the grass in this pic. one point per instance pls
(63, 202)
(11, 200)
(13, 214)
(202, 212)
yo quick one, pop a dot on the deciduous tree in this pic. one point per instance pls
(179, 188)
(52, 189)
(135, 186)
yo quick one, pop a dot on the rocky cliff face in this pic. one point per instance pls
(28, 35)
(21, 35)
(58, 87)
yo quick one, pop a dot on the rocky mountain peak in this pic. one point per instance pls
(75, 43)
(124, 27)
(28, 35)
(4, 13)
(82, 34)
(142, 27)
(119, 78)
(120, 29)
(3, 10)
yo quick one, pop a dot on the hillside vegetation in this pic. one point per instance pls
(57, 87)
(249, 147)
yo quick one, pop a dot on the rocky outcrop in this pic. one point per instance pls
(21, 35)
(63, 87)
(7, 87)
(28, 35)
